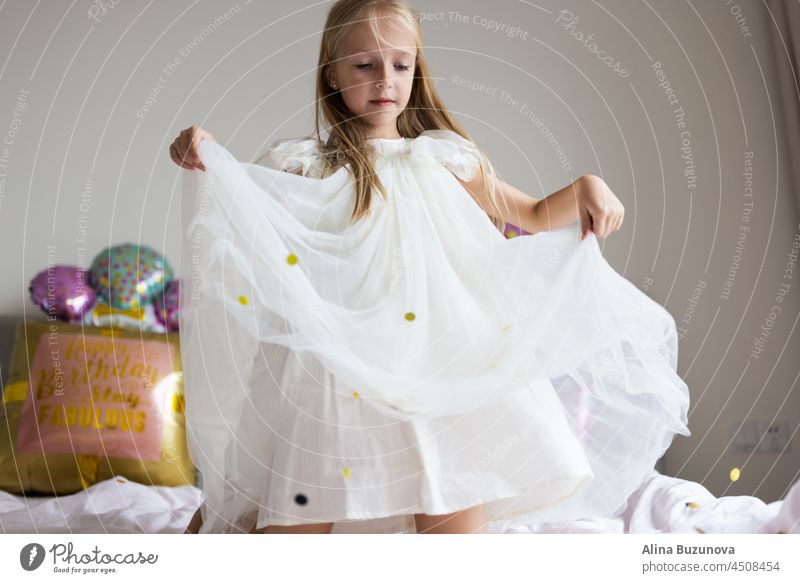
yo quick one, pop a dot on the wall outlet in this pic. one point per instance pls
(775, 437)
(761, 436)
(743, 436)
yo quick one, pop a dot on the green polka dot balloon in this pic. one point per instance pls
(129, 276)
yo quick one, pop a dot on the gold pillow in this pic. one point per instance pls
(83, 404)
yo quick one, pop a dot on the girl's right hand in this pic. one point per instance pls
(184, 150)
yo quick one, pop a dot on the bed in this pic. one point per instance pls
(662, 504)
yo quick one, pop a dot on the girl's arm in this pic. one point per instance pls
(588, 198)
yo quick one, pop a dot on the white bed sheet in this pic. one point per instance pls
(659, 505)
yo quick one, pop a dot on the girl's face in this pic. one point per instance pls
(375, 79)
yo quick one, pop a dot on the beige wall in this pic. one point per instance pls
(74, 110)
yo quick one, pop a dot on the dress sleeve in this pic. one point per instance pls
(293, 153)
(458, 154)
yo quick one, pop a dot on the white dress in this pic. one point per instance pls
(417, 361)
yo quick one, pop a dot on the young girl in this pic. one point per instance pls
(362, 345)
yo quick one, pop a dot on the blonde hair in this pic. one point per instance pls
(424, 111)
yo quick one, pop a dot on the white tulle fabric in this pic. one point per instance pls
(425, 316)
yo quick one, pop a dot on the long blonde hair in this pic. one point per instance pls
(425, 110)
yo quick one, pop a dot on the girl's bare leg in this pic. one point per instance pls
(318, 528)
(194, 523)
(321, 528)
(469, 521)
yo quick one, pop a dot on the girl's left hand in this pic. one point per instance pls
(599, 208)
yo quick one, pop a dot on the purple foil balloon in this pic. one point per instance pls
(63, 292)
(167, 305)
(514, 231)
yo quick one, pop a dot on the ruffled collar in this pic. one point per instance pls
(390, 140)
(445, 146)
(389, 145)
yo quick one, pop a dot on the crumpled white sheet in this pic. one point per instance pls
(114, 506)
(659, 505)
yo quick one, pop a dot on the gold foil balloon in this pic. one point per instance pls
(90, 404)
(141, 318)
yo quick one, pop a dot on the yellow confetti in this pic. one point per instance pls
(159, 277)
(346, 471)
(243, 300)
(134, 302)
(140, 287)
(510, 235)
(355, 394)
(507, 327)
(291, 259)
(735, 473)
(410, 316)
(692, 505)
